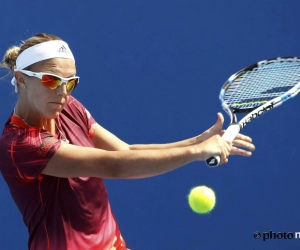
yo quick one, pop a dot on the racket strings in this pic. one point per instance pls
(250, 89)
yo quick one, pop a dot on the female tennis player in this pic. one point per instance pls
(54, 155)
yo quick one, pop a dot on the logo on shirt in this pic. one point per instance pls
(46, 145)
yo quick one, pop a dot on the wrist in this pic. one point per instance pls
(199, 138)
(195, 152)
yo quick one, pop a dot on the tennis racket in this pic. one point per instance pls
(256, 90)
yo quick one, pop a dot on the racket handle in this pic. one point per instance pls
(229, 135)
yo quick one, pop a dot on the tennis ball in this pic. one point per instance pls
(202, 199)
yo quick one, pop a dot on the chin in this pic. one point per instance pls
(53, 115)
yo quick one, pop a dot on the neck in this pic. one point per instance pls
(36, 122)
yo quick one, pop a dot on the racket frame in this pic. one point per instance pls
(236, 126)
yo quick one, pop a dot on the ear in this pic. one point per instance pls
(20, 79)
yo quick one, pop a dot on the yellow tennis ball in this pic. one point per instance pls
(202, 199)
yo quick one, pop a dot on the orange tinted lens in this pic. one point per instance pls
(72, 84)
(50, 81)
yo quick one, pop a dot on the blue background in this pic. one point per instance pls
(151, 72)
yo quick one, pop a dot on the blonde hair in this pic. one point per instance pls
(11, 55)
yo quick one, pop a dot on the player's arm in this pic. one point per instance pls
(103, 139)
(241, 141)
(74, 161)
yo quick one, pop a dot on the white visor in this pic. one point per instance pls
(40, 52)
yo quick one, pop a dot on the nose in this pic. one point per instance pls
(62, 89)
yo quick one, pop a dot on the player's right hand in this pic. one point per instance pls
(213, 146)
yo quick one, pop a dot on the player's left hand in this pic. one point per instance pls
(242, 144)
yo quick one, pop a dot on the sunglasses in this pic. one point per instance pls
(53, 81)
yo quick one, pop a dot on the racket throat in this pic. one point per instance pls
(233, 118)
(260, 111)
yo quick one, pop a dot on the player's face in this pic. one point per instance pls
(47, 102)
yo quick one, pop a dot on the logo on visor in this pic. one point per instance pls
(63, 49)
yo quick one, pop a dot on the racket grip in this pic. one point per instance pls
(229, 135)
